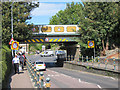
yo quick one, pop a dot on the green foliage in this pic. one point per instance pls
(21, 13)
(71, 15)
(6, 65)
(99, 25)
(99, 21)
(34, 47)
(87, 67)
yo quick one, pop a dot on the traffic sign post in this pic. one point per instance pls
(15, 45)
(91, 44)
(11, 41)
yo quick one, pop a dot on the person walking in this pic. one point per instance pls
(15, 62)
(22, 61)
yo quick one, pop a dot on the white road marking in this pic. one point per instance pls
(99, 86)
(79, 80)
(112, 78)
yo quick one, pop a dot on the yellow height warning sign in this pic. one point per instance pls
(91, 44)
(15, 45)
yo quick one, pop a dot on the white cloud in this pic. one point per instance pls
(47, 9)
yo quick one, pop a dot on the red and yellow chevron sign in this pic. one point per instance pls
(91, 44)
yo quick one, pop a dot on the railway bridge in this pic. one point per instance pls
(66, 34)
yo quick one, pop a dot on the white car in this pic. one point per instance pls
(39, 65)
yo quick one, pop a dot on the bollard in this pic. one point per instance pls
(41, 79)
(48, 84)
(98, 62)
(30, 61)
(34, 74)
(105, 62)
(92, 61)
(38, 83)
(87, 60)
(114, 64)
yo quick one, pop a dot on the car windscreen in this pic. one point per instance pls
(39, 62)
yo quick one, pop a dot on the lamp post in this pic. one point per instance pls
(12, 24)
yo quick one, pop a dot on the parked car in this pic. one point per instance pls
(46, 53)
(39, 65)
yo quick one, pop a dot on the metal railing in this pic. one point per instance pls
(37, 77)
(97, 62)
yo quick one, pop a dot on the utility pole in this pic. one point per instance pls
(12, 24)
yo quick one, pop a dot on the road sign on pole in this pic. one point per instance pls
(90, 44)
(11, 41)
(15, 45)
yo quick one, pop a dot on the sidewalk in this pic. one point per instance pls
(21, 80)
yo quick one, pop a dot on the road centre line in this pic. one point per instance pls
(79, 80)
(112, 78)
(99, 86)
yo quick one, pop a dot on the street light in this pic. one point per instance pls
(12, 23)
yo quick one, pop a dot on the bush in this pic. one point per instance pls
(6, 65)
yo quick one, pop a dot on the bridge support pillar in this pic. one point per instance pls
(73, 52)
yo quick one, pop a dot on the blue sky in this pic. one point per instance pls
(46, 9)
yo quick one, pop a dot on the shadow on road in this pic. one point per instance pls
(54, 64)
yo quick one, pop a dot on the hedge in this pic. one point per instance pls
(6, 65)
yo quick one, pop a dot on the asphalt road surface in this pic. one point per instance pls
(66, 78)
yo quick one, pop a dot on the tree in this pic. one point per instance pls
(21, 13)
(99, 25)
(99, 21)
(71, 15)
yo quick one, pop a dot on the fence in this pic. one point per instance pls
(98, 62)
(37, 77)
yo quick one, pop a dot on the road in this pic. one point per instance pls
(65, 78)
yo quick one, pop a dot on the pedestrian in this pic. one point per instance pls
(22, 61)
(15, 62)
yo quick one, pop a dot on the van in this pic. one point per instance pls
(47, 53)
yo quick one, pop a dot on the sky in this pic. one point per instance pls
(47, 9)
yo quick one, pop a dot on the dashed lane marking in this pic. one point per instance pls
(99, 86)
(112, 78)
(79, 80)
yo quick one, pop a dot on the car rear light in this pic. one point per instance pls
(44, 65)
(34, 64)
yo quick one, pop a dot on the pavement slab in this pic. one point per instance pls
(21, 80)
